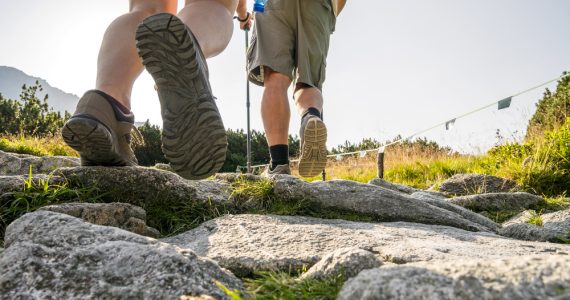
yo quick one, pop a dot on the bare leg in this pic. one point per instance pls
(275, 110)
(211, 22)
(119, 65)
(307, 96)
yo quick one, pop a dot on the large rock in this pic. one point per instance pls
(555, 227)
(141, 186)
(248, 243)
(468, 184)
(442, 202)
(16, 183)
(529, 232)
(55, 256)
(557, 221)
(121, 215)
(535, 277)
(393, 186)
(19, 164)
(380, 203)
(498, 201)
(346, 262)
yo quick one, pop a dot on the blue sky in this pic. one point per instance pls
(394, 67)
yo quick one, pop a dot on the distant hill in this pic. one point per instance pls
(12, 79)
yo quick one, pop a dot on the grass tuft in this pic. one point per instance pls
(272, 285)
(36, 195)
(38, 146)
(535, 218)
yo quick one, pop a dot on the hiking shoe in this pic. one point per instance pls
(313, 158)
(193, 134)
(278, 170)
(100, 132)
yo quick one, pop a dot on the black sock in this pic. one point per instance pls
(310, 112)
(279, 155)
(114, 102)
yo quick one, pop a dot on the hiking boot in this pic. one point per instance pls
(100, 132)
(193, 134)
(278, 170)
(313, 158)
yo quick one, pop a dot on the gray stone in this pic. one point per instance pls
(468, 184)
(248, 243)
(514, 278)
(121, 215)
(557, 221)
(55, 256)
(520, 218)
(141, 186)
(380, 203)
(19, 164)
(347, 262)
(529, 232)
(441, 202)
(498, 201)
(555, 226)
(15, 183)
(393, 186)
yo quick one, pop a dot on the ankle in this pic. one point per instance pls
(311, 112)
(279, 155)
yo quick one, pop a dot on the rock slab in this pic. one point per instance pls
(121, 215)
(345, 262)
(382, 204)
(535, 277)
(55, 256)
(248, 243)
(19, 164)
(143, 186)
(468, 184)
(498, 201)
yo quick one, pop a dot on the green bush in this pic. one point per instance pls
(29, 115)
(552, 110)
(150, 152)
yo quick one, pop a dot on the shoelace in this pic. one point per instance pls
(135, 137)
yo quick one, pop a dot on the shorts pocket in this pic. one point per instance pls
(332, 18)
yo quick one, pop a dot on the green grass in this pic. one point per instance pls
(35, 195)
(535, 218)
(281, 285)
(45, 146)
(423, 175)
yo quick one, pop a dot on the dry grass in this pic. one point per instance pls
(363, 169)
(40, 146)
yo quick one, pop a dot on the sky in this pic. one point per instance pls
(394, 67)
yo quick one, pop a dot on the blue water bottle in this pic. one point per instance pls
(259, 6)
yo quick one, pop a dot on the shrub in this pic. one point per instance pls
(552, 110)
(149, 153)
(30, 115)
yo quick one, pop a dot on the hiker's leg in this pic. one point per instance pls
(118, 64)
(211, 22)
(307, 96)
(275, 110)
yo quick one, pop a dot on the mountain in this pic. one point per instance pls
(12, 79)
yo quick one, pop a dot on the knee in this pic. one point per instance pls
(275, 83)
(151, 7)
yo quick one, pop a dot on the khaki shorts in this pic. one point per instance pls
(292, 37)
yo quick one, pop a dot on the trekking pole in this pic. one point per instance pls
(248, 155)
(247, 103)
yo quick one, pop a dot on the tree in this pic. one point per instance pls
(150, 152)
(552, 110)
(30, 115)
